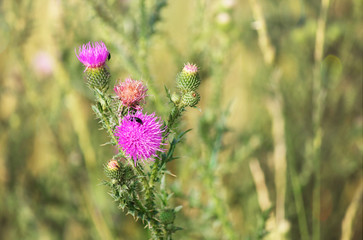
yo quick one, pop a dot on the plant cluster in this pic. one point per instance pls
(145, 143)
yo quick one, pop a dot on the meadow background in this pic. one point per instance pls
(276, 145)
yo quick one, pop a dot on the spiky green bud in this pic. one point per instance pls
(98, 78)
(167, 216)
(188, 79)
(190, 99)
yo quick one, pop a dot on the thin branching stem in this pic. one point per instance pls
(318, 103)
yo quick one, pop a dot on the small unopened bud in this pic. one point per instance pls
(188, 79)
(175, 98)
(190, 99)
(167, 216)
(113, 169)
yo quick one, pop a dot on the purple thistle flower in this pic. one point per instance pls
(140, 136)
(93, 55)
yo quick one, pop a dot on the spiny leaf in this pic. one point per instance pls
(168, 93)
(178, 208)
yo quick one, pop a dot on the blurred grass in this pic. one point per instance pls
(50, 155)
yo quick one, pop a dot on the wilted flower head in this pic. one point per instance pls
(140, 136)
(131, 92)
(93, 55)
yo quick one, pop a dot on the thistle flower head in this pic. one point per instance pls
(131, 92)
(93, 55)
(140, 136)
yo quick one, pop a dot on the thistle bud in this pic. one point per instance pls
(98, 78)
(190, 99)
(167, 216)
(113, 170)
(175, 98)
(188, 79)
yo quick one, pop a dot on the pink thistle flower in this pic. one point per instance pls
(131, 92)
(93, 55)
(190, 68)
(140, 136)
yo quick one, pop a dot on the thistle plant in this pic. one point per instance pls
(145, 143)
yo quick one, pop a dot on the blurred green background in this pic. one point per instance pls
(276, 146)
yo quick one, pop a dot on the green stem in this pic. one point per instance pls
(317, 184)
(149, 190)
(318, 101)
(153, 222)
(139, 171)
(219, 207)
(173, 116)
(175, 113)
(109, 129)
(299, 203)
(101, 96)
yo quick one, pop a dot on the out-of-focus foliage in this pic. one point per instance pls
(255, 119)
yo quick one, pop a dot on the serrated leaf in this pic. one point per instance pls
(96, 110)
(170, 195)
(107, 143)
(177, 228)
(167, 93)
(176, 140)
(169, 173)
(182, 134)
